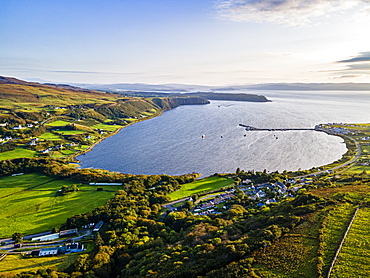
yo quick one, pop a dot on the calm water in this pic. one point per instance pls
(172, 143)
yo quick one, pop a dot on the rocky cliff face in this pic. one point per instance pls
(232, 97)
(170, 103)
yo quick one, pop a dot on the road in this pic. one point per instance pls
(9, 243)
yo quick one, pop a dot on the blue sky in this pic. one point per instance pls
(207, 42)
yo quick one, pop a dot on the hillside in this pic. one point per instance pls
(243, 224)
(65, 121)
(14, 92)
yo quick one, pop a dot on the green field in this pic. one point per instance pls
(107, 127)
(31, 203)
(336, 224)
(49, 136)
(358, 169)
(354, 258)
(16, 264)
(17, 153)
(204, 185)
(58, 123)
(70, 132)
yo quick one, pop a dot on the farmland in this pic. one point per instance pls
(204, 185)
(354, 258)
(39, 206)
(17, 153)
(16, 264)
(334, 227)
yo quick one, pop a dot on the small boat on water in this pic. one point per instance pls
(203, 136)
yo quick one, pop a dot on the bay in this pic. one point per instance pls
(173, 144)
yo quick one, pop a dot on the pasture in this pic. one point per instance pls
(16, 264)
(49, 136)
(354, 258)
(58, 123)
(335, 226)
(107, 127)
(17, 153)
(203, 185)
(31, 203)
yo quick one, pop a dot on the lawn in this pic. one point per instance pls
(354, 258)
(31, 203)
(17, 153)
(204, 185)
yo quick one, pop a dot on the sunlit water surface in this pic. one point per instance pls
(172, 143)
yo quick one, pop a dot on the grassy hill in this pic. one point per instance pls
(61, 120)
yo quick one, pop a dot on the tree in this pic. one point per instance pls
(74, 188)
(98, 240)
(64, 189)
(17, 237)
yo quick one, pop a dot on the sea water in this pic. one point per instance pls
(207, 139)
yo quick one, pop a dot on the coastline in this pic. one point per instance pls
(74, 157)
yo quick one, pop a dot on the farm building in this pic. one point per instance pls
(49, 251)
(46, 237)
(74, 247)
(105, 183)
(68, 232)
(98, 226)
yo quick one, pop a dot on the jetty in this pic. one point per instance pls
(251, 128)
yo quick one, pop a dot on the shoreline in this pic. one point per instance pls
(74, 157)
(328, 166)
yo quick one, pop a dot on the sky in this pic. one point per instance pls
(204, 42)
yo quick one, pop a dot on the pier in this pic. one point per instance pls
(251, 128)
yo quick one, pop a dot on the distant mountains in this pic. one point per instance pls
(136, 87)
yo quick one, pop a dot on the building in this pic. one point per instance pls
(46, 237)
(49, 251)
(106, 183)
(74, 248)
(98, 226)
(68, 232)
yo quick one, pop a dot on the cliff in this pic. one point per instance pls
(173, 102)
(231, 97)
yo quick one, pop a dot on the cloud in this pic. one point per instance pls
(286, 12)
(362, 57)
(349, 76)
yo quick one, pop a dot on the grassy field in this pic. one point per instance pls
(336, 224)
(107, 127)
(204, 185)
(70, 132)
(31, 203)
(354, 258)
(58, 123)
(359, 169)
(16, 264)
(17, 153)
(49, 136)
